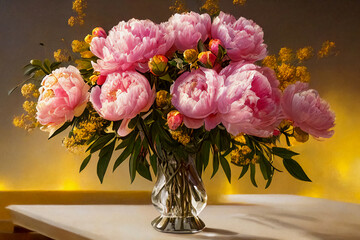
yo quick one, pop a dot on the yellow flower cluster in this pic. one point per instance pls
(83, 132)
(178, 7)
(287, 66)
(239, 2)
(241, 156)
(304, 53)
(27, 122)
(30, 90)
(79, 7)
(211, 7)
(327, 49)
(163, 99)
(79, 46)
(180, 136)
(62, 55)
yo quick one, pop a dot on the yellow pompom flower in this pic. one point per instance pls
(305, 53)
(211, 7)
(285, 55)
(178, 7)
(86, 54)
(326, 49)
(180, 136)
(62, 55)
(30, 107)
(270, 62)
(302, 74)
(79, 46)
(29, 89)
(239, 2)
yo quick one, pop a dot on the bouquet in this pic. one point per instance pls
(173, 97)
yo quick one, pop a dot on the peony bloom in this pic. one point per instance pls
(242, 38)
(130, 45)
(121, 97)
(250, 100)
(63, 95)
(194, 94)
(189, 28)
(307, 110)
(214, 46)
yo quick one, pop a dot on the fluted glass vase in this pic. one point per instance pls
(179, 195)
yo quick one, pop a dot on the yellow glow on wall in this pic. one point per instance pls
(69, 185)
(2, 187)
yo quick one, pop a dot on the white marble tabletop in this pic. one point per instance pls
(250, 217)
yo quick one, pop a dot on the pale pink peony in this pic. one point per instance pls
(250, 100)
(189, 28)
(63, 95)
(307, 110)
(130, 45)
(242, 38)
(122, 96)
(194, 94)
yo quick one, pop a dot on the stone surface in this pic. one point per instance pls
(260, 217)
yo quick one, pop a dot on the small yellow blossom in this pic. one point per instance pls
(79, 46)
(305, 53)
(86, 54)
(88, 38)
(211, 7)
(78, 7)
(27, 122)
(285, 55)
(180, 136)
(93, 79)
(302, 74)
(30, 107)
(286, 75)
(239, 2)
(28, 90)
(327, 49)
(270, 62)
(163, 99)
(240, 138)
(178, 7)
(62, 55)
(71, 21)
(245, 150)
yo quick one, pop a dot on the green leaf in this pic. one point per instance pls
(104, 159)
(123, 156)
(133, 122)
(283, 152)
(55, 65)
(215, 163)
(201, 46)
(221, 53)
(243, 171)
(133, 159)
(205, 153)
(127, 141)
(252, 174)
(167, 78)
(295, 169)
(144, 170)
(85, 163)
(226, 167)
(199, 164)
(100, 142)
(268, 182)
(46, 65)
(153, 162)
(263, 170)
(62, 128)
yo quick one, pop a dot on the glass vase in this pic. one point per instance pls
(179, 195)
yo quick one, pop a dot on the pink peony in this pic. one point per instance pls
(189, 28)
(130, 45)
(63, 95)
(194, 94)
(250, 100)
(214, 46)
(122, 97)
(307, 110)
(242, 38)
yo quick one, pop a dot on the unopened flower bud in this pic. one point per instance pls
(99, 32)
(207, 58)
(276, 132)
(100, 80)
(300, 135)
(174, 119)
(88, 38)
(93, 79)
(158, 65)
(214, 46)
(163, 99)
(190, 55)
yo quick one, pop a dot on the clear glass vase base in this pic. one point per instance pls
(178, 225)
